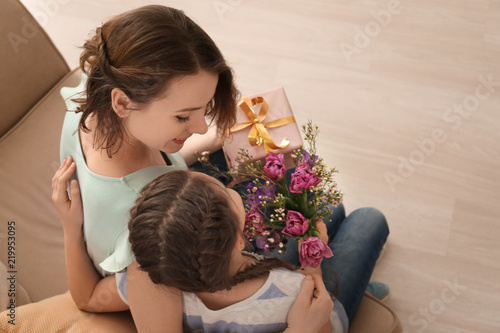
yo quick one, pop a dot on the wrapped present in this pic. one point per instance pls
(265, 122)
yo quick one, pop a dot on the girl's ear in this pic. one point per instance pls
(122, 105)
(240, 242)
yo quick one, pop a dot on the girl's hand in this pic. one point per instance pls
(311, 310)
(323, 232)
(70, 211)
(323, 235)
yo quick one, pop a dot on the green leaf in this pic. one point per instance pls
(290, 204)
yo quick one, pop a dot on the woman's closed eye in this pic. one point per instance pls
(208, 108)
(182, 119)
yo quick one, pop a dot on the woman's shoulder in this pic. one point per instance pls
(70, 93)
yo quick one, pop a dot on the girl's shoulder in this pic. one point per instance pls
(280, 273)
(286, 279)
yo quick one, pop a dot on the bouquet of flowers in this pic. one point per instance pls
(277, 206)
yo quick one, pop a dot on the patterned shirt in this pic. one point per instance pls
(264, 311)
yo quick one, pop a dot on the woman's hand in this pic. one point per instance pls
(311, 310)
(70, 211)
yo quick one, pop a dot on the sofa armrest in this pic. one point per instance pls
(30, 157)
(31, 65)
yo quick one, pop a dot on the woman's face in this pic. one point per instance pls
(166, 123)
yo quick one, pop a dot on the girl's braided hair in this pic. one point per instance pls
(183, 231)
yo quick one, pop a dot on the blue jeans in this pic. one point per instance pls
(356, 242)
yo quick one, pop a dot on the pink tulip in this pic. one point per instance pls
(296, 224)
(312, 252)
(303, 179)
(275, 166)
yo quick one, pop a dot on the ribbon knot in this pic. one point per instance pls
(258, 133)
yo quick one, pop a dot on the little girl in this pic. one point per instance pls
(186, 230)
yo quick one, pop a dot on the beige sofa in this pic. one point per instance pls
(31, 113)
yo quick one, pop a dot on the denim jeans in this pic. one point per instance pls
(355, 240)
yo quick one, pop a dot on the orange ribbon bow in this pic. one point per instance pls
(258, 133)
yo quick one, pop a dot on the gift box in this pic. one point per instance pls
(264, 122)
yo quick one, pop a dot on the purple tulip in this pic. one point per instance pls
(303, 179)
(275, 166)
(312, 252)
(296, 224)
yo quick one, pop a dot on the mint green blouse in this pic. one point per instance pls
(106, 200)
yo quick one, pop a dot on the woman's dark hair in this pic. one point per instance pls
(141, 52)
(183, 232)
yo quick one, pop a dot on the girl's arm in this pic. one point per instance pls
(88, 290)
(316, 273)
(155, 308)
(310, 313)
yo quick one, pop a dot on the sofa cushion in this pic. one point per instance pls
(60, 314)
(29, 159)
(10, 290)
(30, 66)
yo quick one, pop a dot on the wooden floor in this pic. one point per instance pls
(407, 94)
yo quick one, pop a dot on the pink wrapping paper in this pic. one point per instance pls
(279, 107)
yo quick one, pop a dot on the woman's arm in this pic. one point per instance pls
(155, 308)
(88, 290)
(209, 141)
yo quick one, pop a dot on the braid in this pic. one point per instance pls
(260, 268)
(216, 244)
